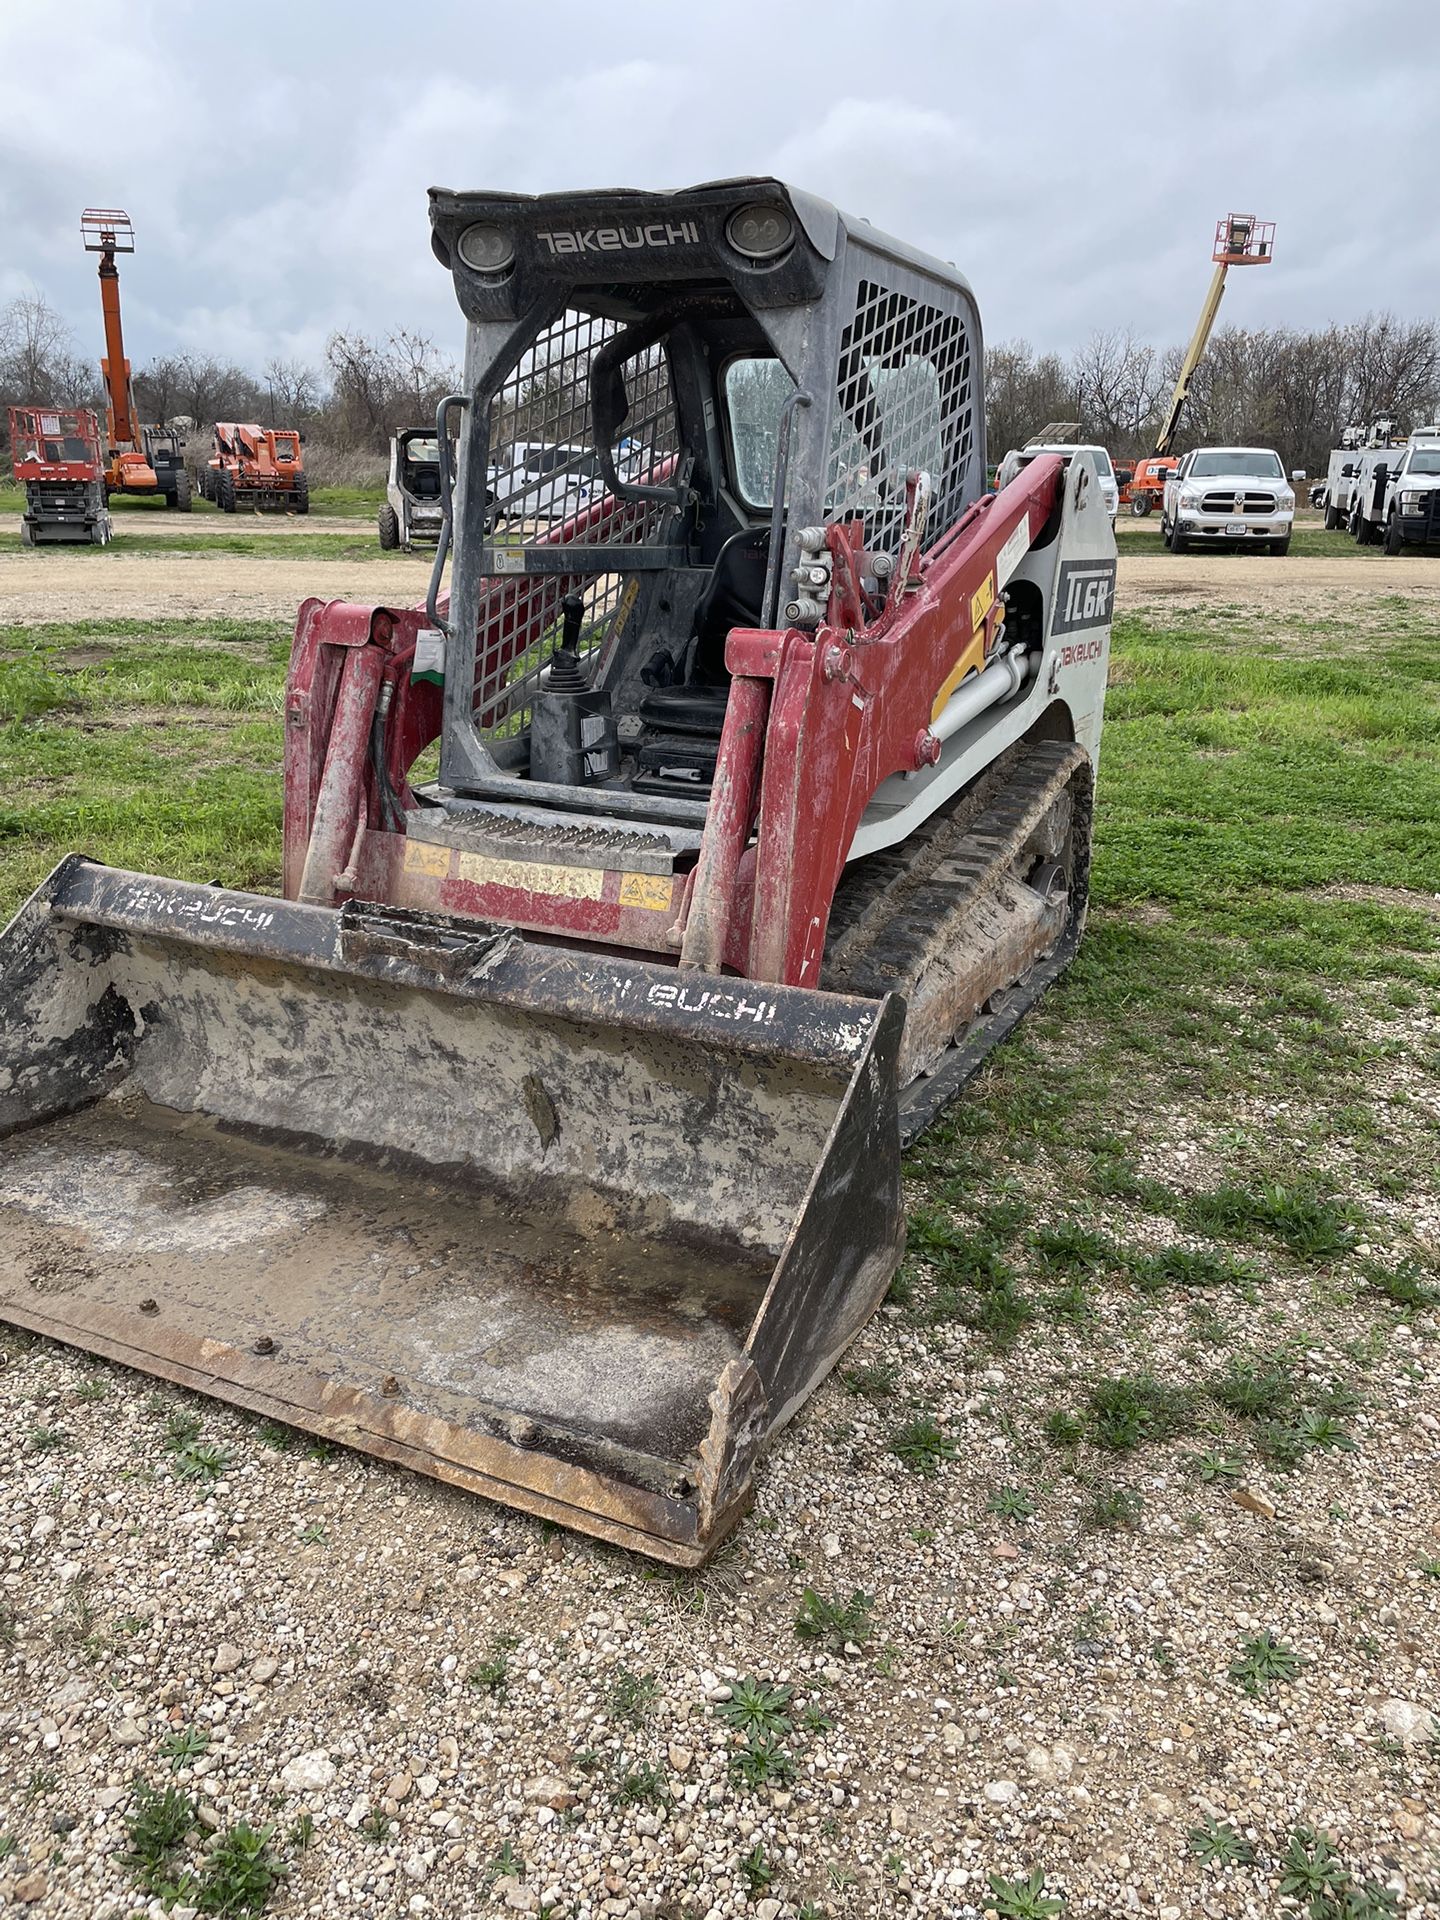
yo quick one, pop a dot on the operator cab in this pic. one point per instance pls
(651, 375)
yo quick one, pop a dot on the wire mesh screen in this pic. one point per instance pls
(547, 490)
(903, 402)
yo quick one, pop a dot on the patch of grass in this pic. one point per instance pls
(1123, 1413)
(834, 1622)
(756, 1707)
(49, 1439)
(1073, 1248)
(1063, 1428)
(922, 1445)
(1186, 1267)
(1213, 1465)
(28, 688)
(1218, 1844)
(8, 1845)
(92, 1388)
(375, 1827)
(1254, 1389)
(1025, 1899)
(1262, 1662)
(1311, 1225)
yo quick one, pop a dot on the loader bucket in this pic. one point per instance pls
(573, 1231)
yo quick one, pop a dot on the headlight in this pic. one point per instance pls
(759, 232)
(1413, 502)
(1287, 501)
(1189, 501)
(486, 249)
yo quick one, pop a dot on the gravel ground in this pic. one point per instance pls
(43, 587)
(446, 1709)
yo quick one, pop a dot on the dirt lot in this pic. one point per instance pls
(1103, 1580)
(53, 586)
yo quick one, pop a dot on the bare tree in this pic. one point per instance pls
(38, 362)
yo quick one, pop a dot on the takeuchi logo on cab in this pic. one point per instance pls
(656, 233)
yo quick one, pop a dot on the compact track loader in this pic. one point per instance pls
(545, 1136)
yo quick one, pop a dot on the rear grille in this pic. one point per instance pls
(1238, 503)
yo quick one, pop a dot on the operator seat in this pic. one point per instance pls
(733, 597)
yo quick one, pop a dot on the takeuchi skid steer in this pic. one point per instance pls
(545, 1136)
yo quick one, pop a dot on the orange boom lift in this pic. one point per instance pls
(140, 460)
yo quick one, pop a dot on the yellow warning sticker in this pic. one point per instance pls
(650, 890)
(420, 857)
(982, 600)
(533, 876)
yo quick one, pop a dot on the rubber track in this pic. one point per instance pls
(886, 916)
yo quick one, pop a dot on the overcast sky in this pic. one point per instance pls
(1071, 158)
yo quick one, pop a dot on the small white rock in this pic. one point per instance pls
(227, 1658)
(1000, 1792)
(308, 1772)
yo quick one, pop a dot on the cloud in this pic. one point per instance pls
(1071, 160)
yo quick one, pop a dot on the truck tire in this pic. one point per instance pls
(1279, 548)
(225, 491)
(180, 499)
(1174, 540)
(1367, 534)
(1334, 518)
(1140, 504)
(302, 494)
(389, 523)
(1393, 542)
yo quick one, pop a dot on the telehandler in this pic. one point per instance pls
(545, 1135)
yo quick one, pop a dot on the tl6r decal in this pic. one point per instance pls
(1086, 595)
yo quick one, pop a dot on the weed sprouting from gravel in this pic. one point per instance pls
(42, 1780)
(160, 1820)
(756, 1870)
(641, 1785)
(92, 1388)
(875, 1381)
(506, 1864)
(302, 1832)
(1322, 1432)
(763, 1761)
(184, 1745)
(834, 1622)
(1024, 1899)
(1010, 1503)
(241, 1873)
(1063, 1428)
(756, 1707)
(201, 1460)
(492, 1674)
(1212, 1466)
(375, 1827)
(181, 1427)
(48, 1439)
(8, 1845)
(1111, 1509)
(922, 1445)
(1218, 1844)
(632, 1695)
(1263, 1661)
(1254, 1390)
(1313, 1874)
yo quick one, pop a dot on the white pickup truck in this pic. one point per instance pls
(1397, 495)
(1228, 495)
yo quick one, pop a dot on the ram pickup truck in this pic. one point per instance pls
(1234, 495)
(1019, 457)
(1397, 495)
